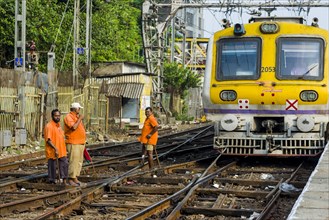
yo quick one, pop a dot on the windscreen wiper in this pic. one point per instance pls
(307, 72)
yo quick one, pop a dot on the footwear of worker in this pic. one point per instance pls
(72, 183)
(81, 184)
(143, 160)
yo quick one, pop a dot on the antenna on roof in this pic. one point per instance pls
(269, 10)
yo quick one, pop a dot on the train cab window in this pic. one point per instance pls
(300, 58)
(238, 59)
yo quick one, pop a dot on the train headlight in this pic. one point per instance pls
(228, 95)
(305, 123)
(239, 29)
(229, 122)
(269, 28)
(308, 96)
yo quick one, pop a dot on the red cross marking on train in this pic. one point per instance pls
(291, 104)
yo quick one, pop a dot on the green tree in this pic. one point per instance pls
(116, 32)
(7, 31)
(42, 23)
(43, 20)
(177, 80)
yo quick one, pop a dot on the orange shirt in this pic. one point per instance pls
(149, 123)
(77, 136)
(55, 133)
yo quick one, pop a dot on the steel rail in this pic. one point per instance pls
(275, 193)
(163, 138)
(66, 208)
(92, 190)
(161, 204)
(10, 183)
(187, 141)
(160, 149)
(134, 158)
(15, 165)
(203, 178)
(98, 164)
(6, 186)
(35, 201)
(21, 157)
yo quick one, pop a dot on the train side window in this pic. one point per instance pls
(238, 59)
(300, 58)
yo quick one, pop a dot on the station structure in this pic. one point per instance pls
(313, 202)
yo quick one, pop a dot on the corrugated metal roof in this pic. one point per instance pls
(127, 90)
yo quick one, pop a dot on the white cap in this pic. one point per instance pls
(76, 105)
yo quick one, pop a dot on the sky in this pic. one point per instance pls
(212, 17)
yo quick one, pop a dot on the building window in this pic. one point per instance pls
(189, 33)
(300, 58)
(238, 58)
(189, 18)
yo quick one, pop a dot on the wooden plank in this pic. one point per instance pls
(119, 205)
(247, 182)
(214, 212)
(245, 193)
(21, 157)
(43, 186)
(162, 180)
(147, 189)
(219, 201)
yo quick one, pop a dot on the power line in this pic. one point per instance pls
(59, 28)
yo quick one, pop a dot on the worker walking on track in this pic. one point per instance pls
(149, 136)
(56, 149)
(75, 135)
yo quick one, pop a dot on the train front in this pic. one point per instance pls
(266, 87)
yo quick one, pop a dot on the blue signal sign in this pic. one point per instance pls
(18, 61)
(80, 50)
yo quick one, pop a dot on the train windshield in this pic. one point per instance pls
(238, 58)
(300, 58)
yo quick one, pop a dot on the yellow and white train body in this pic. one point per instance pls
(266, 87)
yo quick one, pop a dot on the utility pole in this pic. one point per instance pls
(20, 34)
(76, 43)
(172, 50)
(78, 50)
(81, 53)
(88, 36)
(19, 61)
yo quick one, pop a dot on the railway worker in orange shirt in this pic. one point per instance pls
(149, 136)
(55, 148)
(75, 135)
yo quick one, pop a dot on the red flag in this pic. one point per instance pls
(87, 156)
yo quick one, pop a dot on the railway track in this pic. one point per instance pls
(13, 184)
(192, 182)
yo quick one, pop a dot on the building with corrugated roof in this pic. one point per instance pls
(128, 87)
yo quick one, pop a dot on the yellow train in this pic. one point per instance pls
(266, 86)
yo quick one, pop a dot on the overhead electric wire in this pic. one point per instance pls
(69, 37)
(67, 45)
(60, 25)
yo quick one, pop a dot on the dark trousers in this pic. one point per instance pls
(63, 168)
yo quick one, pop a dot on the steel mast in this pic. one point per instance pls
(78, 50)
